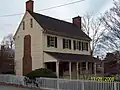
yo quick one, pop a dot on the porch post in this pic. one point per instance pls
(80, 68)
(57, 69)
(77, 70)
(95, 68)
(90, 68)
(70, 69)
(86, 67)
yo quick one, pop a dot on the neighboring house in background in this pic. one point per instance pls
(112, 63)
(6, 60)
(46, 42)
(99, 66)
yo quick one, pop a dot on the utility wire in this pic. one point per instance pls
(45, 8)
(11, 15)
(61, 5)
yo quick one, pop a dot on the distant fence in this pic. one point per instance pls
(15, 81)
(12, 79)
(60, 84)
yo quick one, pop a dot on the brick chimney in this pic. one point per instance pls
(77, 21)
(30, 5)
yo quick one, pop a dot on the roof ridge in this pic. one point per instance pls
(51, 17)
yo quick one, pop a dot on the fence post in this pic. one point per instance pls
(82, 85)
(115, 85)
(57, 83)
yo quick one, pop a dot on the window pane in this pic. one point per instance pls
(77, 45)
(52, 41)
(85, 46)
(66, 43)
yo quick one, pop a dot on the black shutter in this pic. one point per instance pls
(63, 43)
(80, 45)
(69, 44)
(48, 41)
(74, 45)
(55, 42)
(87, 46)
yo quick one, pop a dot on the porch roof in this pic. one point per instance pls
(71, 57)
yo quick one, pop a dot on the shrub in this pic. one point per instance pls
(31, 77)
(41, 73)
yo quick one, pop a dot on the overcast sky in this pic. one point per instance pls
(10, 24)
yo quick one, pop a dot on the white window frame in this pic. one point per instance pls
(52, 41)
(84, 44)
(78, 45)
(66, 43)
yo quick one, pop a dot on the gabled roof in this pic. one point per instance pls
(59, 27)
(71, 57)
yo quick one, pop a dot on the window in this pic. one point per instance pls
(66, 43)
(23, 25)
(83, 65)
(31, 23)
(76, 45)
(85, 46)
(51, 41)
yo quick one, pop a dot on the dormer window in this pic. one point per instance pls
(51, 41)
(66, 44)
(23, 25)
(31, 23)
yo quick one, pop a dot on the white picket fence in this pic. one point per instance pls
(61, 84)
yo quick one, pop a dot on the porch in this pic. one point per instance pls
(70, 66)
(72, 70)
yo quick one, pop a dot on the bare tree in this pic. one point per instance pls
(111, 21)
(8, 41)
(92, 26)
